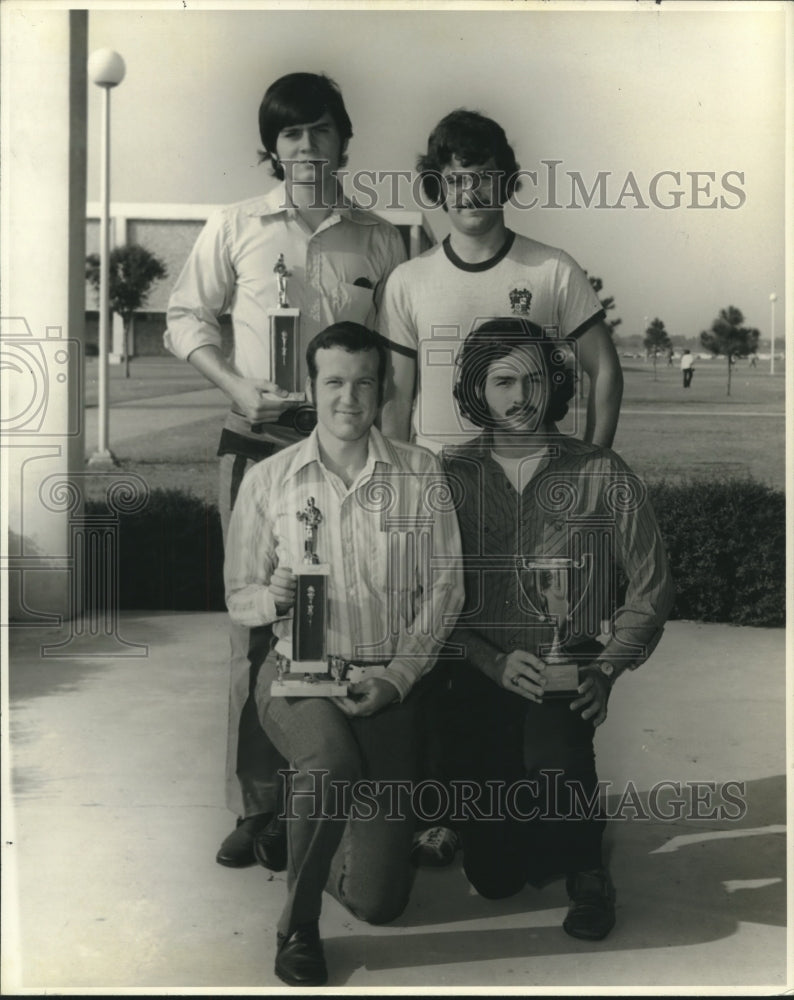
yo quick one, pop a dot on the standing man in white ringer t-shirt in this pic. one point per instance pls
(481, 270)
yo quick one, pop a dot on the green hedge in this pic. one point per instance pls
(170, 554)
(725, 539)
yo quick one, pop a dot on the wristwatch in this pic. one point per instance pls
(607, 670)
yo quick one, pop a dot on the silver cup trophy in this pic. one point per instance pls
(311, 672)
(547, 584)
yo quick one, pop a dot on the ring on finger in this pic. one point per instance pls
(514, 680)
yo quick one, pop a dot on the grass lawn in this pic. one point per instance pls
(665, 432)
(149, 378)
(668, 432)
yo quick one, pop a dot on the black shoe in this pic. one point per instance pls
(270, 845)
(591, 914)
(237, 850)
(299, 958)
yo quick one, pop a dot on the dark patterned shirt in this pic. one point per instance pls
(579, 548)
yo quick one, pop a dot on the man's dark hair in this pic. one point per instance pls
(473, 139)
(495, 339)
(296, 99)
(352, 337)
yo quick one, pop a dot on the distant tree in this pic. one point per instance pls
(133, 271)
(730, 338)
(656, 339)
(607, 303)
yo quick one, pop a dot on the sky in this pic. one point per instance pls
(632, 91)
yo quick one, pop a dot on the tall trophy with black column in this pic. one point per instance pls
(284, 323)
(285, 354)
(311, 672)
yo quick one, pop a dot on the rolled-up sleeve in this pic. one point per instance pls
(203, 292)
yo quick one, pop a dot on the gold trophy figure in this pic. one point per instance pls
(312, 672)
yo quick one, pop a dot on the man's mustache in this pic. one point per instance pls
(521, 408)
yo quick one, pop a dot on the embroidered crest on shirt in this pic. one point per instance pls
(520, 299)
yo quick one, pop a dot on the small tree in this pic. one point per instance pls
(730, 338)
(656, 339)
(607, 303)
(133, 270)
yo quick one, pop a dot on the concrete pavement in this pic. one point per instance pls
(140, 417)
(110, 881)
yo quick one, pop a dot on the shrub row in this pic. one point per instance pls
(725, 540)
(170, 554)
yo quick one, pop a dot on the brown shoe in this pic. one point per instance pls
(299, 959)
(237, 850)
(591, 914)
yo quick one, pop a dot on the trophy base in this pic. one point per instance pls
(562, 681)
(308, 686)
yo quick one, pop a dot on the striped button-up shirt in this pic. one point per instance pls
(579, 547)
(391, 541)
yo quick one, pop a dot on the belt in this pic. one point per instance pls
(232, 443)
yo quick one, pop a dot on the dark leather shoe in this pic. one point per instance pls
(270, 845)
(237, 850)
(299, 959)
(591, 914)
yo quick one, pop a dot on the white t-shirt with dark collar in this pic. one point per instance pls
(432, 302)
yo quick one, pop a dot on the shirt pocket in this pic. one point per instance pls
(350, 303)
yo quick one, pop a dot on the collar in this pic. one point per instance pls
(380, 452)
(483, 265)
(481, 447)
(275, 203)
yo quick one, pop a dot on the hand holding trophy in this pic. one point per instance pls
(545, 583)
(311, 672)
(284, 332)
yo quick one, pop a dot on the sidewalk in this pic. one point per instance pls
(144, 417)
(118, 785)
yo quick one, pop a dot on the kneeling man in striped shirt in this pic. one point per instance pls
(389, 533)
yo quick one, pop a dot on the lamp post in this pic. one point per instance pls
(772, 301)
(106, 69)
